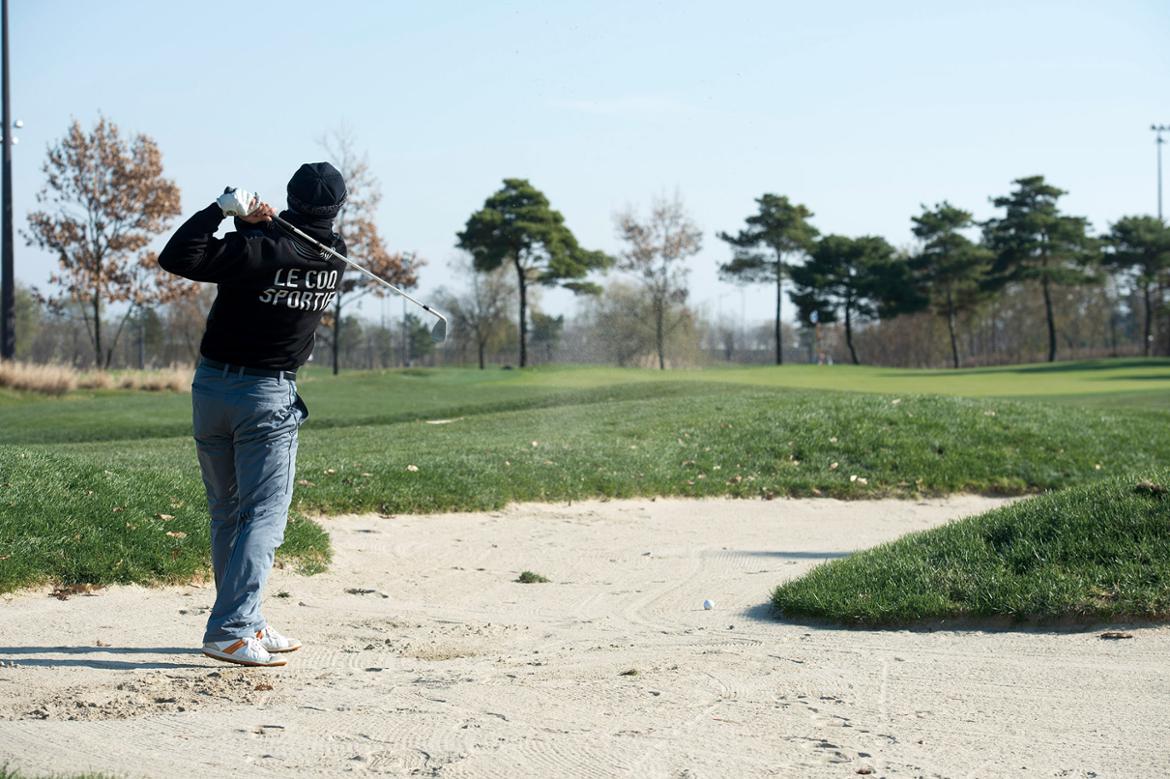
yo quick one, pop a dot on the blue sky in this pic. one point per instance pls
(862, 111)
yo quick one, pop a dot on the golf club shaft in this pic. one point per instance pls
(322, 247)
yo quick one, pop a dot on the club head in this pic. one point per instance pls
(439, 331)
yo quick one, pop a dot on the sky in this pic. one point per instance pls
(862, 111)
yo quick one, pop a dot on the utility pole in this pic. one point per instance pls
(7, 275)
(1159, 141)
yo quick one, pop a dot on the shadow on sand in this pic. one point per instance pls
(43, 657)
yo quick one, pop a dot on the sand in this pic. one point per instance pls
(424, 657)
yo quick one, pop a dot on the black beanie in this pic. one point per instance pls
(316, 189)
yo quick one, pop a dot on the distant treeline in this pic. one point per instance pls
(1031, 283)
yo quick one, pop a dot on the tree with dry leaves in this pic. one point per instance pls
(104, 200)
(656, 252)
(356, 225)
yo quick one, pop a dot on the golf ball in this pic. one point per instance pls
(708, 604)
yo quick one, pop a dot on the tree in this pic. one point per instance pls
(418, 339)
(185, 321)
(1034, 241)
(105, 199)
(546, 332)
(479, 312)
(656, 254)
(776, 234)
(949, 267)
(356, 225)
(615, 325)
(852, 279)
(1139, 248)
(518, 226)
(29, 313)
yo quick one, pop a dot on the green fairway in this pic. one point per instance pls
(380, 397)
(103, 486)
(1089, 380)
(1097, 552)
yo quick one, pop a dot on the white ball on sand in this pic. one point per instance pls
(708, 604)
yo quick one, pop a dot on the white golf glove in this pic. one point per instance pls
(237, 202)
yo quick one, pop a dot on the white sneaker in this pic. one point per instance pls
(242, 651)
(276, 643)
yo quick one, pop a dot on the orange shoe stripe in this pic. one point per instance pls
(232, 649)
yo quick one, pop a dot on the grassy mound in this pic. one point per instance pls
(71, 520)
(1092, 553)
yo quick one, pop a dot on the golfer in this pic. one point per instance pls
(272, 293)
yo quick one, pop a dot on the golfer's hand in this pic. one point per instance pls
(239, 202)
(261, 213)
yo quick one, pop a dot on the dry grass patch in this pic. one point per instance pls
(95, 380)
(176, 378)
(45, 379)
(55, 379)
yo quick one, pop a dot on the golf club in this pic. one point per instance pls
(438, 332)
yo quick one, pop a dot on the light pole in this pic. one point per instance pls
(1158, 142)
(7, 275)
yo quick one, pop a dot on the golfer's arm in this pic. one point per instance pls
(195, 253)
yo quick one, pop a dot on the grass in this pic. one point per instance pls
(387, 397)
(1091, 553)
(72, 519)
(102, 486)
(45, 379)
(60, 379)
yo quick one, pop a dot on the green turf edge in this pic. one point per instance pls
(1087, 554)
(69, 520)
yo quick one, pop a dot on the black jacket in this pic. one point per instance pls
(273, 288)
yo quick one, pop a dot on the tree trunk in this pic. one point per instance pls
(480, 347)
(97, 331)
(1051, 320)
(1161, 299)
(779, 302)
(141, 342)
(1113, 339)
(993, 321)
(849, 333)
(1147, 340)
(523, 313)
(951, 327)
(337, 335)
(659, 315)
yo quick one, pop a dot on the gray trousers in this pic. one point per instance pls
(246, 439)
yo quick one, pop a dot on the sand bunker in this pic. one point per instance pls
(423, 656)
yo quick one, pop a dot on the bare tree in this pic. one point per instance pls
(656, 254)
(105, 199)
(616, 325)
(356, 225)
(185, 320)
(481, 311)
